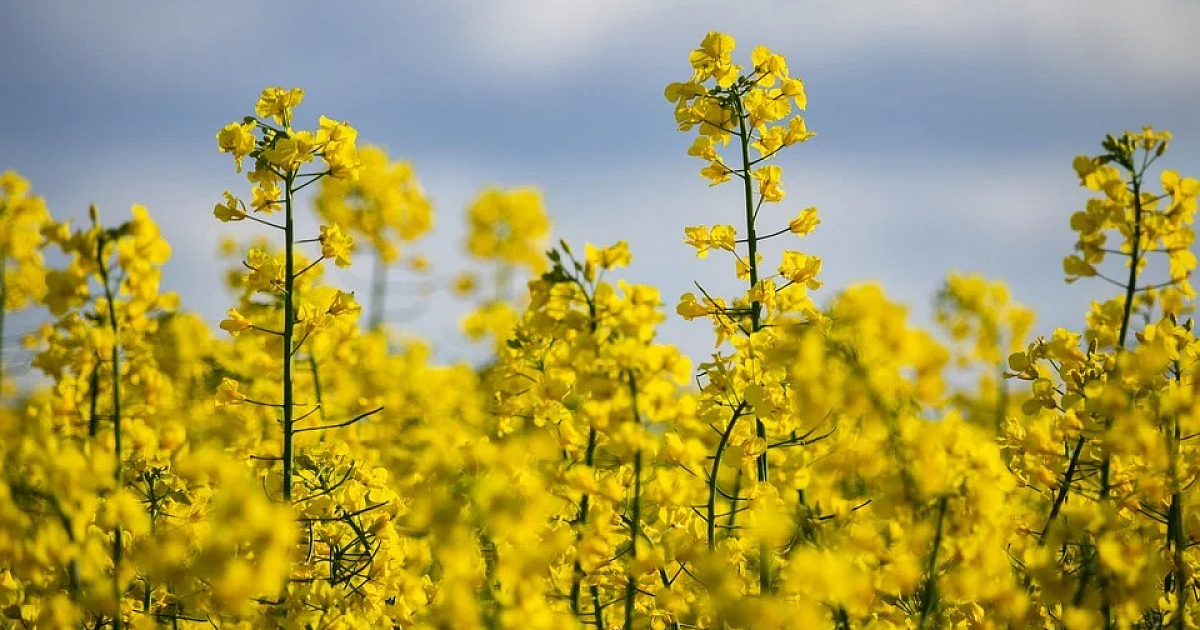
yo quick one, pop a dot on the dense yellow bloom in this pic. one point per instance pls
(712, 59)
(277, 103)
(607, 258)
(508, 226)
(385, 205)
(830, 466)
(238, 139)
(22, 221)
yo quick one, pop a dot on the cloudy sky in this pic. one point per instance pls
(946, 128)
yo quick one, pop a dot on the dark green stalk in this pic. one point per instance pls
(718, 456)
(737, 491)
(929, 593)
(589, 459)
(748, 192)
(1061, 497)
(599, 610)
(761, 463)
(289, 328)
(1130, 289)
(584, 505)
(93, 402)
(635, 519)
(118, 471)
(1176, 532)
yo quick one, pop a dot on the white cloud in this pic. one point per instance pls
(149, 40)
(1103, 43)
(1153, 41)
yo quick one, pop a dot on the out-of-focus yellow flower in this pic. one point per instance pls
(228, 394)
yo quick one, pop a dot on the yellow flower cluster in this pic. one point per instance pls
(827, 466)
(507, 230)
(385, 204)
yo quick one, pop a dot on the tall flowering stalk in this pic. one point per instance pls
(757, 111)
(1121, 438)
(279, 153)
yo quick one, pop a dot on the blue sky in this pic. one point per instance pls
(945, 129)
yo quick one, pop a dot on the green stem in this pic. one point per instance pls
(1176, 533)
(1130, 290)
(1061, 497)
(589, 459)
(748, 191)
(584, 506)
(929, 594)
(598, 608)
(289, 328)
(93, 413)
(737, 492)
(118, 471)
(761, 463)
(718, 456)
(635, 519)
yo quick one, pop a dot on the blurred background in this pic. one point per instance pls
(946, 129)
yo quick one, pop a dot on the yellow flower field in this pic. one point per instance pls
(829, 465)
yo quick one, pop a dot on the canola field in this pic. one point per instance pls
(828, 466)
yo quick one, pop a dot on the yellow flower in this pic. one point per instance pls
(716, 172)
(712, 59)
(336, 244)
(768, 182)
(805, 222)
(231, 210)
(465, 283)
(235, 323)
(768, 65)
(698, 237)
(228, 394)
(797, 131)
(344, 303)
(238, 139)
(509, 226)
(795, 89)
(610, 257)
(689, 308)
(266, 271)
(724, 237)
(277, 103)
(289, 152)
(801, 269)
(266, 197)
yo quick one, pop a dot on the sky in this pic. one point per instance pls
(946, 129)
